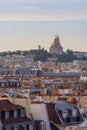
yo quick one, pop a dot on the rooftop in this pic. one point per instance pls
(6, 105)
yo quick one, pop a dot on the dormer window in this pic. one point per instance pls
(22, 112)
(65, 114)
(74, 112)
(82, 109)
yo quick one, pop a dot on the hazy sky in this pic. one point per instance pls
(25, 24)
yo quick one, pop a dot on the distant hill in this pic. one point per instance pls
(44, 55)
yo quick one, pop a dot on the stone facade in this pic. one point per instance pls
(56, 48)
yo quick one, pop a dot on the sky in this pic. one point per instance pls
(25, 24)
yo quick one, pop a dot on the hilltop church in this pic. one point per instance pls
(56, 48)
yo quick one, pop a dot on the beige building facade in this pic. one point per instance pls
(56, 48)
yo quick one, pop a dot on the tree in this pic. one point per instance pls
(66, 57)
(40, 55)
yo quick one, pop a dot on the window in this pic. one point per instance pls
(43, 126)
(70, 128)
(31, 127)
(22, 112)
(19, 113)
(3, 115)
(15, 128)
(74, 112)
(12, 128)
(23, 128)
(11, 113)
(4, 129)
(20, 127)
(27, 127)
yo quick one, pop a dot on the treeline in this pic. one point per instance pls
(40, 55)
(69, 57)
(43, 55)
(18, 52)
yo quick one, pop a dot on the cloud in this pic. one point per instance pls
(43, 10)
(60, 17)
(30, 7)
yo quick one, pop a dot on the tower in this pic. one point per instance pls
(56, 48)
(39, 47)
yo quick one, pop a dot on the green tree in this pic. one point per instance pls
(66, 57)
(40, 55)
